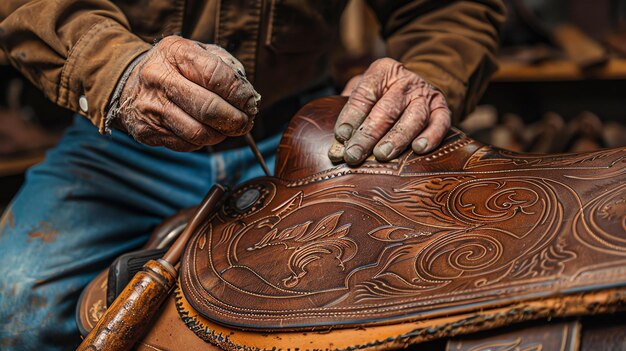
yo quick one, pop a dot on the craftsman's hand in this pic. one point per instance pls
(185, 95)
(389, 109)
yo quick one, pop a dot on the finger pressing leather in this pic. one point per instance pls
(360, 103)
(438, 126)
(206, 106)
(212, 73)
(381, 118)
(336, 151)
(411, 123)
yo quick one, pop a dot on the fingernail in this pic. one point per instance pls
(420, 145)
(335, 153)
(353, 154)
(383, 151)
(344, 131)
(257, 96)
(251, 108)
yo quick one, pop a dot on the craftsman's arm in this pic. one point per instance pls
(69, 49)
(451, 44)
(181, 94)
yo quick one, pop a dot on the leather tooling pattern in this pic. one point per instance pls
(474, 227)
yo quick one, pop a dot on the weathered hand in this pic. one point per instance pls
(388, 109)
(185, 95)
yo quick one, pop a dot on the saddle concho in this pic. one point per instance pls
(426, 248)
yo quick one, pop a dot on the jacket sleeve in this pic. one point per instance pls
(451, 44)
(73, 50)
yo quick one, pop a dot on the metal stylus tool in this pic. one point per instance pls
(257, 153)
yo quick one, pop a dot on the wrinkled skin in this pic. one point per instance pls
(185, 95)
(389, 108)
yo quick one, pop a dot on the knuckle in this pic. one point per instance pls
(384, 62)
(418, 110)
(362, 96)
(366, 134)
(234, 92)
(386, 111)
(207, 109)
(209, 66)
(399, 140)
(198, 137)
(169, 39)
(173, 40)
(150, 71)
(154, 73)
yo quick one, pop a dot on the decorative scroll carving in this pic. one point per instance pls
(311, 245)
(601, 224)
(488, 156)
(351, 245)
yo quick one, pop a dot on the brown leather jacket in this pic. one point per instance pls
(76, 48)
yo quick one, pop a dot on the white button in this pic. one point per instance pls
(82, 102)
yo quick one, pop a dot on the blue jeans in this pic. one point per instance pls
(92, 199)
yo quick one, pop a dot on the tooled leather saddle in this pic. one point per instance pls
(468, 247)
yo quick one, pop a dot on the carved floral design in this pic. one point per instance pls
(425, 239)
(601, 224)
(311, 245)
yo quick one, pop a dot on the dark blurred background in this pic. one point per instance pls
(561, 86)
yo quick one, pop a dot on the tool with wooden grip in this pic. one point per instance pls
(127, 319)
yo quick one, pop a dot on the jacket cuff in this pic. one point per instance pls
(114, 106)
(452, 88)
(87, 84)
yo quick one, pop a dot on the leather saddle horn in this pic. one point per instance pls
(464, 239)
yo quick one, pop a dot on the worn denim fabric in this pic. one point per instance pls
(92, 199)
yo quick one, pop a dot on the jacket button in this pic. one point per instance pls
(83, 103)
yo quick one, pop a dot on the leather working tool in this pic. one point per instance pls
(257, 153)
(428, 248)
(127, 319)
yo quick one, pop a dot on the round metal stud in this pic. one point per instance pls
(247, 199)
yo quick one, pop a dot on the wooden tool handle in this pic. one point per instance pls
(127, 319)
(208, 204)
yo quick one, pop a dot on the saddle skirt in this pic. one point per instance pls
(466, 238)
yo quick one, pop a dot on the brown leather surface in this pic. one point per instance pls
(465, 228)
(167, 226)
(179, 327)
(465, 239)
(606, 333)
(560, 336)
